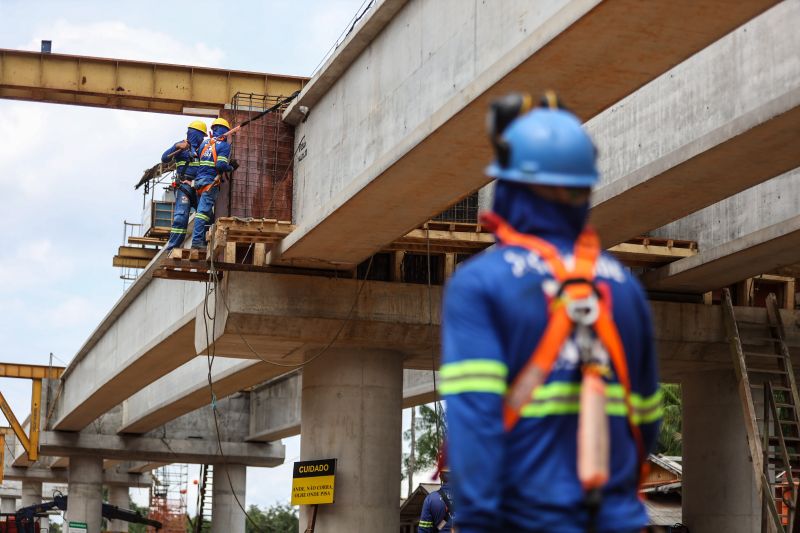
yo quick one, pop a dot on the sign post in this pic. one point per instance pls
(313, 484)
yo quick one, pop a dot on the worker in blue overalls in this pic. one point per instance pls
(549, 368)
(185, 155)
(214, 162)
(437, 509)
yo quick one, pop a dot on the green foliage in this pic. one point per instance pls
(54, 528)
(277, 519)
(138, 528)
(430, 432)
(670, 438)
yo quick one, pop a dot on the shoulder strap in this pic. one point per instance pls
(212, 144)
(575, 283)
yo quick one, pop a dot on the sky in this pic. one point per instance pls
(68, 172)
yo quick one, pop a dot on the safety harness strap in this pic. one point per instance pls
(576, 283)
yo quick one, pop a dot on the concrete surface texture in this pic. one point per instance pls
(718, 483)
(351, 411)
(230, 481)
(714, 125)
(86, 491)
(406, 119)
(120, 497)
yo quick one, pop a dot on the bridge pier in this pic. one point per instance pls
(230, 481)
(86, 491)
(8, 505)
(121, 497)
(718, 486)
(32, 495)
(351, 411)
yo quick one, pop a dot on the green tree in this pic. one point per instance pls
(670, 438)
(277, 519)
(138, 528)
(54, 528)
(429, 430)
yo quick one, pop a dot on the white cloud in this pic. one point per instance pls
(116, 39)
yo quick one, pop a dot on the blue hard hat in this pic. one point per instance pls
(546, 146)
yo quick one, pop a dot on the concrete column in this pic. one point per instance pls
(352, 411)
(718, 483)
(8, 505)
(32, 495)
(226, 515)
(121, 497)
(86, 491)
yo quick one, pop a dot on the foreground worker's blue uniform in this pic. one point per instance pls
(207, 172)
(435, 511)
(494, 316)
(186, 169)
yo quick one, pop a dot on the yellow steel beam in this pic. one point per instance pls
(36, 404)
(13, 370)
(132, 85)
(15, 425)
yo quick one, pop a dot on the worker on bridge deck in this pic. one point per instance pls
(214, 162)
(185, 155)
(544, 334)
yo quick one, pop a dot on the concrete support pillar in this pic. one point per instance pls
(226, 515)
(86, 491)
(8, 505)
(352, 411)
(32, 495)
(121, 497)
(718, 483)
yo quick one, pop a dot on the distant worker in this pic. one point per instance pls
(214, 154)
(549, 368)
(437, 510)
(184, 153)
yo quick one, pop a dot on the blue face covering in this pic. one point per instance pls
(194, 137)
(529, 213)
(218, 131)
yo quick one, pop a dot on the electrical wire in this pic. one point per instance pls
(213, 282)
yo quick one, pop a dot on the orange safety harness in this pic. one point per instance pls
(212, 144)
(579, 300)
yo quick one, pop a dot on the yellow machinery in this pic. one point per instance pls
(35, 373)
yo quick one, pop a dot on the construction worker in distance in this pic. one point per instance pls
(184, 153)
(437, 510)
(549, 369)
(214, 162)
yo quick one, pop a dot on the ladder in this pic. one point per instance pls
(204, 497)
(764, 373)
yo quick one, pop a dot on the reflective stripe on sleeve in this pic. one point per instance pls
(474, 375)
(201, 216)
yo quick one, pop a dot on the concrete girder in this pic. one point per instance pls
(676, 146)
(190, 438)
(130, 348)
(434, 149)
(116, 476)
(159, 449)
(762, 251)
(186, 389)
(275, 406)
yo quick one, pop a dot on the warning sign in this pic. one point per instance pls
(312, 482)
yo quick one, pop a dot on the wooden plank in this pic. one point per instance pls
(260, 254)
(147, 241)
(230, 252)
(127, 262)
(745, 394)
(183, 275)
(397, 266)
(449, 264)
(137, 253)
(649, 253)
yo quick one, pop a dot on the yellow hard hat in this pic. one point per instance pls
(221, 122)
(199, 125)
